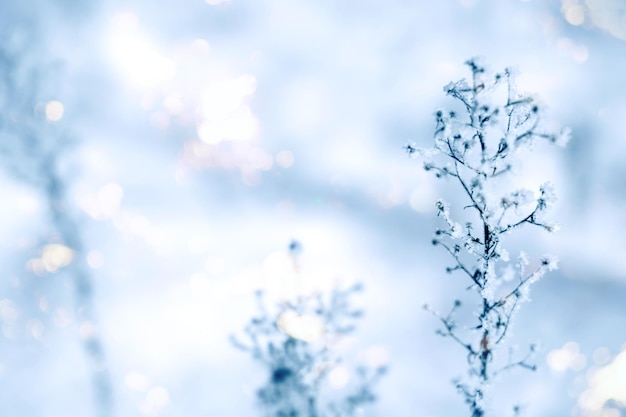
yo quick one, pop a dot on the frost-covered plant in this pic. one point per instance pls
(477, 148)
(33, 145)
(299, 342)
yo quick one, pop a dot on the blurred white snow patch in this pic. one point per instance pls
(28, 202)
(547, 82)
(156, 399)
(8, 310)
(136, 381)
(423, 196)
(608, 15)
(135, 56)
(279, 270)
(351, 148)
(99, 160)
(224, 113)
(17, 211)
(376, 356)
(389, 195)
(306, 327)
(600, 253)
(316, 269)
(307, 105)
(573, 11)
(575, 51)
(601, 355)
(567, 357)
(201, 243)
(299, 23)
(605, 384)
(103, 204)
(199, 283)
(339, 377)
(175, 326)
(284, 159)
(428, 86)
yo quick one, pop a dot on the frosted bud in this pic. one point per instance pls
(550, 262)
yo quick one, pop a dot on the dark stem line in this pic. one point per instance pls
(83, 287)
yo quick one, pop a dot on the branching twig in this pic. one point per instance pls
(294, 341)
(518, 119)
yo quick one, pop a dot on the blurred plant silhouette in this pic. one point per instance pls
(478, 150)
(300, 342)
(34, 143)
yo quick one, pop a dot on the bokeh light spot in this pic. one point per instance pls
(135, 56)
(43, 304)
(8, 311)
(376, 356)
(157, 398)
(575, 14)
(224, 114)
(568, 357)
(608, 15)
(202, 45)
(105, 204)
(566, 47)
(259, 159)
(95, 259)
(173, 104)
(136, 381)
(61, 317)
(87, 330)
(54, 110)
(284, 159)
(601, 356)
(56, 256)
(34, 329)
(304, 327)
(339, 377)
(605, 384)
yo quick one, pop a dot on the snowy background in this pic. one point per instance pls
(197, 139)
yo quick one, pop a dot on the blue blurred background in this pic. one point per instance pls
(195, 139)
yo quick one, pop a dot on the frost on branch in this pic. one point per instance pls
(477, 149)
(34, 147)
(299, 343)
